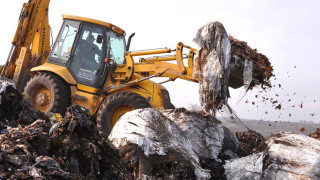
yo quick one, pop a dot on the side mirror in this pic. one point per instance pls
(99, 39)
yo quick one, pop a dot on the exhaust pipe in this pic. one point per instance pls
(129, 41)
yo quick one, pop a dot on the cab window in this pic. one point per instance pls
(116, 47)
(62, 48)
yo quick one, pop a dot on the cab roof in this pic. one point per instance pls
(94, 21)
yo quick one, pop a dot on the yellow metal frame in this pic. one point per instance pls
(94, 21)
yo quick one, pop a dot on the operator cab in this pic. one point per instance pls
(82, 46)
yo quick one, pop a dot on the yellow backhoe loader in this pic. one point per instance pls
(89, 64)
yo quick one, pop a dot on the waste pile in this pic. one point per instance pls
(69, 149)
(224, 61)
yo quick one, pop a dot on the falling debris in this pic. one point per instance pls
(312, 114)
(301, 105)
(278, 107)
(302, 129)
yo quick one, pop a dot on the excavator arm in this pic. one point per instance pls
(31, 42)
(159, 64)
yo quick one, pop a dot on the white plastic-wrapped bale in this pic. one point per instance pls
(292, 156)
(155, 134)
(205, 132)
(288, 156)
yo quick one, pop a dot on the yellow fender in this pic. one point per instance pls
(61, 71)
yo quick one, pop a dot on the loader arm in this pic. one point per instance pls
(159, 64)
(31, 42)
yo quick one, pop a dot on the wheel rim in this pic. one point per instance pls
(119, 112)
(42, 98)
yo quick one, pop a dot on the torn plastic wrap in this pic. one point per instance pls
(155, 135)
(247, 73)
(212, 66)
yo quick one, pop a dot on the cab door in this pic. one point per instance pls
(87, 61)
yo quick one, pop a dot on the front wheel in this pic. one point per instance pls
(48, 93)
(113, 107)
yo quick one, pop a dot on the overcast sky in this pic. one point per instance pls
(286, 31)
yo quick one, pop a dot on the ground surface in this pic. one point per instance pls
(266, 128)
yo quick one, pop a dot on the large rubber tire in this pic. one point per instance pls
(48, 93)
(113, 107)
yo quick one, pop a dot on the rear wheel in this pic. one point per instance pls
(48, 93)
(113, 107)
